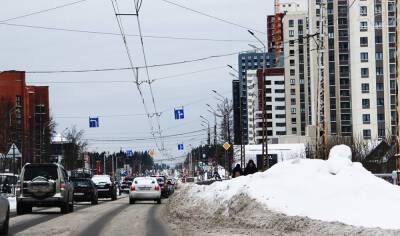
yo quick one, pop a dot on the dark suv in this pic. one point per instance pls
(106, 188)
(44, 185)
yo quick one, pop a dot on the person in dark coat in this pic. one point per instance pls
(250, 168)
(237, 171)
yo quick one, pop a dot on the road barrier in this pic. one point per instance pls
(391, 177)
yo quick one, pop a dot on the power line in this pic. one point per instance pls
(212, 17)
(42, 11)
(129, 68)
(145, 138)
(129, 81)
(128, 35)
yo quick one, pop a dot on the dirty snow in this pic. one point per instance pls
(13, 203)
(334, 190)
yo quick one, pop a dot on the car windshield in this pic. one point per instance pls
(48, 172)
(81, 183)
(101, 179)
(144, 180)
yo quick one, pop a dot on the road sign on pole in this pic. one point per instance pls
(226, 146)
(179, 114)
(93, 122)
(13, 152)
(180, 146)
(129, 153)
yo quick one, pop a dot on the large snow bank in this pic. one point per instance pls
(333, 190)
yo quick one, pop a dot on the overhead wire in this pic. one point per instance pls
(213, 17)
(135, 72)
(42, 11)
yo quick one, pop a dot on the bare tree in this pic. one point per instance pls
(78, 144)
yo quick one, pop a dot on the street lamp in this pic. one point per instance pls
(230, 66)
(264, 152)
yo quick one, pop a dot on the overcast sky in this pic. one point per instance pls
(31, 49)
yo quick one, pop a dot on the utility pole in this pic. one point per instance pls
(264, 144)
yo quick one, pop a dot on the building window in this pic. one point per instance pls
(291, 33)
(363, 26)
(293, 101)
(379, 70)
(300, 22)
(364, 72)
(378, 39)
(379, 56)
(379, 86)
(292, 81)
(366, 118)
(367, 134)
(18, 101)
(365, 88)
(292, 91)
(380, 102)
(381, 117)
(291, 52)
(294, 130)
(365, 103)
(364, 56)
(293, 110)
(363, 41)
(291, 43)
(363, 11)
(292, 62)
(391, 7)
(292, 72)
(291, 23)
(293, 120)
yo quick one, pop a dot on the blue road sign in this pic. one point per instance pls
(179, 114)
(93, 122)
(180, 146)
(129, 153)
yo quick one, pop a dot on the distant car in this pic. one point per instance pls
(85, 190)
(126, 184)
(4, 215)
(44, 185)
(106, 188)
(162, 181)
(145, 188)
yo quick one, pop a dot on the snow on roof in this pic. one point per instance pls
(308, 187)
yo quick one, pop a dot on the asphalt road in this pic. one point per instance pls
(106, 218)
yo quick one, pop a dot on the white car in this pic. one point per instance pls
(145, 188)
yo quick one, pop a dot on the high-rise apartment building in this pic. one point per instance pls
(353, 67)
(297, 76)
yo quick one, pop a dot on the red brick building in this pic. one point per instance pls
(24, 116)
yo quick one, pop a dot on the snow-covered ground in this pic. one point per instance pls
(336, 190)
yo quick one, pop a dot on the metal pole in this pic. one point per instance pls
(104, 164)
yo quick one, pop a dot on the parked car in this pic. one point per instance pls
(8, 181)
(171, 186)
(85, 190)
(44, 185)
(126, 184)
(4, 215)
(106, 188)
(145, 188)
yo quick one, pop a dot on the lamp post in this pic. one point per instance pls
(208, 129)
(264, 152)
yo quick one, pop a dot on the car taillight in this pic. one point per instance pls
(133, 188)
(62, 186)
(157, 188)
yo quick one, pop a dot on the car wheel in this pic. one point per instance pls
(95, 201)
(64, 208)
(71, 207)
(131, 201)
(19, 209)
(4, 229)
(159, 201)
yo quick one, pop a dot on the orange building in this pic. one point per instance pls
(24, 116)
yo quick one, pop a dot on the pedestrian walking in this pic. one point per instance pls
(237, 171)
(250, 168)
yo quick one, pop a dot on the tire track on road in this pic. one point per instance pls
(96, 227)
(153, 225)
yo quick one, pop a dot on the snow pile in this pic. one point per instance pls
(333, 190)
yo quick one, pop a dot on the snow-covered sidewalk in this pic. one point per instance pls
(336, 190)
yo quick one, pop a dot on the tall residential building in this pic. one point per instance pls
(275, 104)
(247, 61)
(24, 116)
(352, 66)
(297, 76)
